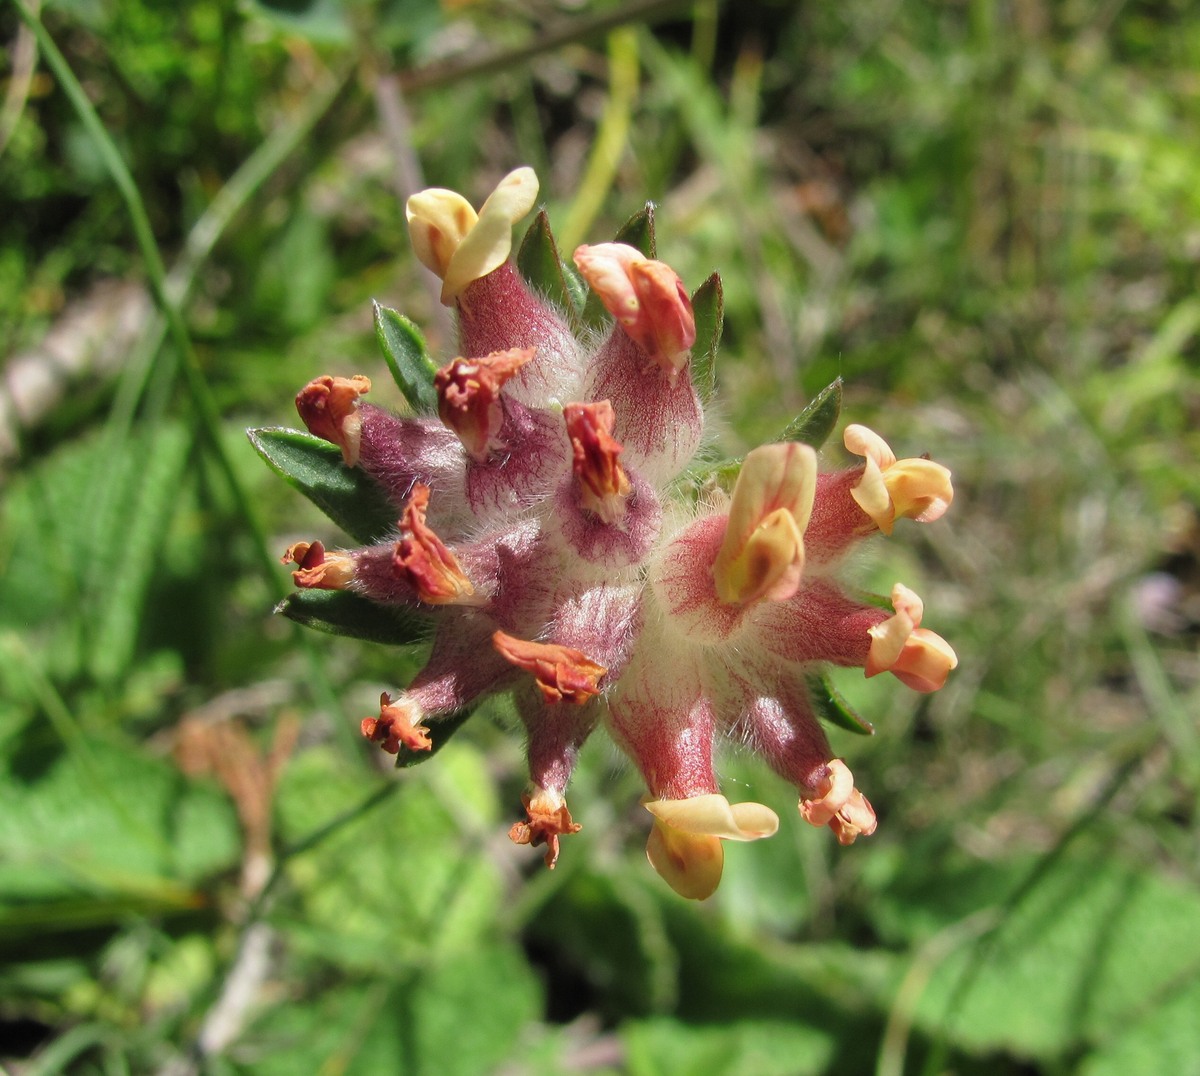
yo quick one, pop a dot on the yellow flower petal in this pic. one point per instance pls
(889, 488)
(916, 656)
(713, 815)
(689, 863)
(438, 221)
(487, 245)
(762, 555)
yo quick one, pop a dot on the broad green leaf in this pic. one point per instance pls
(133, 546)
(665, 1047)
(1095, 945)
(481, 1001)
(832, 707)
(342, 612)
(543, 269)
(708, 303)
(315, 468)
(408, 359)
(1166, 1037)
(816, 422)
(409, 851)
(638, 232)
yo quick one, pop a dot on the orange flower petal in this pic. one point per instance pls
(329, 408)
(425, 561)
(603, 484)
(563, 673)
(317, 570)
(468, 393)
(398, 725)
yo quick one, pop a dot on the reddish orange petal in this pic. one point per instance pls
(397, 726)
(563, 673)
(469, 397)
(425, 561)
(329, 408)
(549, 819)
(317, 570)
(604, 486)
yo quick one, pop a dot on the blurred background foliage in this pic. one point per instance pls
(984, 215)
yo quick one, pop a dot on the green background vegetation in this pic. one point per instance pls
(985, 216)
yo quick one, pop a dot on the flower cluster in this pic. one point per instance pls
(541, 522)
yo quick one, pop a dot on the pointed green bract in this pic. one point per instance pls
(543, 269)
(708, 305)
(408, 359)
(440, 730)
(637, 232)
(342, 612)
(315, 468)
(831, 707)
(816, 422)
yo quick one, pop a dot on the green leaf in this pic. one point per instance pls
(543, 269)
(342, 612)
(637, 232)
(816, 422)
(407, 358)
(831, 706)
(314, 467)
(147, 505)
(661, 1045)
(709, 306)
(1166, 1039)
(496, 985)
(1092, 948)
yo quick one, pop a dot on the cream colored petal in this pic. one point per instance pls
(770, 565)
(714, 816)
(820, 811)
(438, 221)
(873, 497)
(920, 489)
(908, 602)
(925, 662)
(856, 819)
(689, 863)
(774, 478)
(887, 642)
(487, 246)
(863, 441)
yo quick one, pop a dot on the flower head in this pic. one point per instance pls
(457, 243)
(544, 524)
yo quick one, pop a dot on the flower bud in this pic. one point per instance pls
(468, 392)
(398, 725)
(549, 819)
(315, 570)
(460, 246)
(646, 297)
(563, 674)
(425, 561)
